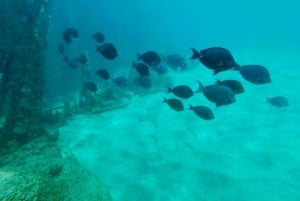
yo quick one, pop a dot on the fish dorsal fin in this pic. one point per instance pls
(200, 88)
(196, 54)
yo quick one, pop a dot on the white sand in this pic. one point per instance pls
(249, 152)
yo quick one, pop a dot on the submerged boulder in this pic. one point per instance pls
(38, 171)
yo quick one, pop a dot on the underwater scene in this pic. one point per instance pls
(150, 100)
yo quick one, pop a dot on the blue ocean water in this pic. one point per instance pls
(146, 150)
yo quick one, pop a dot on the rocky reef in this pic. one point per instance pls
(38, 171)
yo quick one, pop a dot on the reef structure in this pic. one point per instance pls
(23, 31)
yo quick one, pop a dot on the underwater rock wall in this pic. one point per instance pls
(23, 29)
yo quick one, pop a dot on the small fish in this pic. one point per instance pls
(174, 103)
(256, 74)
(72, 62)
(104, 74)
(278, 101)
(121, 81)
(202, 112)
(98, 36)
(141, 68)
(176, 61)
(82, 59)
(150, 58)
(216, 58)
(107, 50)
(181, 91)
(69, 34)
(91, 86)
(218, 94)
(234, 85)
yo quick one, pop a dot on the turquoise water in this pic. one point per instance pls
(146, 151)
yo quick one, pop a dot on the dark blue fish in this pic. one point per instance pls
(107, 50)
(104, 74)
(91, 86)
(150, 58)
(144, 81)
(256, 74)
(181, 91)
(98, 36)
(216, 58)
(202, 112)
(174, 103)
(278, 101)
(141, 68)
(121, 81)
(234, 85)
(218, 94)
(69, 34)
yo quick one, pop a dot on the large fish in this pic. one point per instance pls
(256, 74)
(234, 85)
(218, 94)
(107, 50)
(150, 58)
(181, 91)
(174, 103)
(141, 68)
(216, 58)
(203, 112)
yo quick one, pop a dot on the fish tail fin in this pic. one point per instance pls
(201, 87)
(165, 100)
(170, 90)
(191, 107)
(237, 67)
(218, 81)
(196, 54)
(267, 100)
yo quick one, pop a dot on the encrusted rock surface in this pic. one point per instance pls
(37, 172)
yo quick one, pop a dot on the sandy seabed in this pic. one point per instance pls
(249, 152)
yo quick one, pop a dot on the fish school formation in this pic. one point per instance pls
(217, 59)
